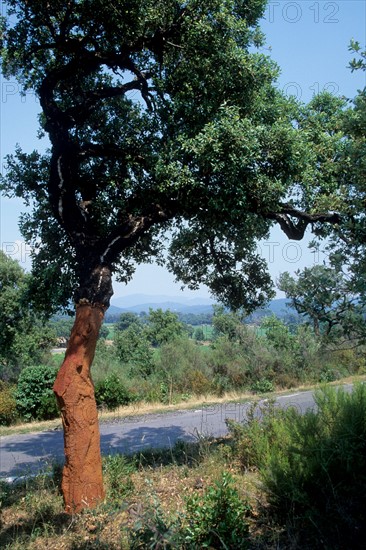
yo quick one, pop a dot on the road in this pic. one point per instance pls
(27, 454)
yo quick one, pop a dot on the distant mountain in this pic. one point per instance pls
(180, 304)
(126, 302)
(279, 306)
(172, 306)
(114, 310)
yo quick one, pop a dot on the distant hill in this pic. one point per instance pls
(176, 307)
(143, 302)
(126, 302)
(279, 306)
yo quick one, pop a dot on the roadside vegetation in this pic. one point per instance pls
(155, 358)
(282, 480)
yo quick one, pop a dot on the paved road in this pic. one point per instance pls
(29, 453)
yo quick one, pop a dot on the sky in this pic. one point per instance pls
(309, 41)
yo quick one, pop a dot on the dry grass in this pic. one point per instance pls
(32, 517)
(136, 409)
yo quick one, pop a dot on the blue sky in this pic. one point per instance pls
(308, 39)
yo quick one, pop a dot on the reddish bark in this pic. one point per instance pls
(82, 481)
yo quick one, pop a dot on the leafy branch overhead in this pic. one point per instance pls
(161, 118)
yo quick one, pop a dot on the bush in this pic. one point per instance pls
(263, 431)
(181, 366)
(133, 349)
(117, 470)
(111, 392)
(197, 382)
(215, 519)
(313, 466)
(8, 406)
(105, 361)
(34, 396)
(262, 386)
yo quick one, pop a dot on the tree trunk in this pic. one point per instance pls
(82, 481)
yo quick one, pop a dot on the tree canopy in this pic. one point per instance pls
(164, 120)
(326, 297)
(24, 339)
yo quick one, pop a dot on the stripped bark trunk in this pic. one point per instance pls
(82, 481)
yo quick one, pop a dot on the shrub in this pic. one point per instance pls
(215, 519)
(313, 466)
(326, 462)
(34, 395)
(111, 392)
(8, 406)
(152, 529)
(181, 366)
(263, 430)
(105, 361)
(199, 334)
(118, 469)
(133, 349)
(262, 386)
(197, 382)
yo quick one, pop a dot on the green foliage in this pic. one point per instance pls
(313, 464)
(180, 365)
(34, 395)
(105, 362)
(215, 519)
(153, 529)
(62, 327)
(226, 324)
(262, 386)
(199, 334)
(103, 333)
(261, 434)
(111, 393)
(24, 339)
(126, 319)
(117, 470)
(8, 406)
(134, 350)
(360, 63)
(277, 333)
(230, 365)
(163, 327)
(208, 154)
(328, 298)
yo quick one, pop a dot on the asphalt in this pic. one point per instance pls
(28, 454)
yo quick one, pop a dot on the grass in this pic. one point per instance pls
(32, 515)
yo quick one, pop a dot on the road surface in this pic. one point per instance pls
(27, 454)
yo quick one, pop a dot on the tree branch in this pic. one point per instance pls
(128, 233)
(296, 230)
(79, 113)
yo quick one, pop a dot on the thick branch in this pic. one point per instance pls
(79, 113)
(61, 186)
(296, 230)
(109, 150)
(128, 233)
